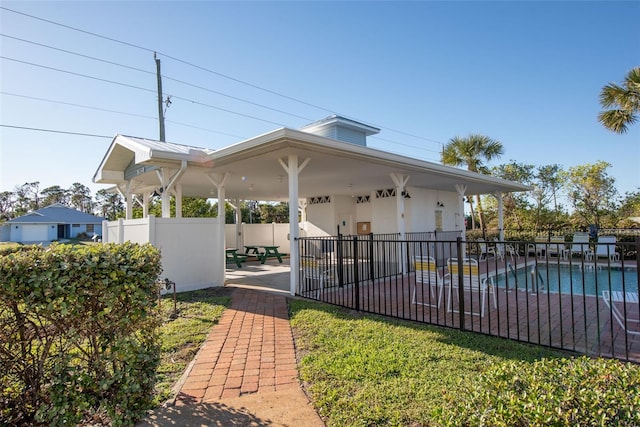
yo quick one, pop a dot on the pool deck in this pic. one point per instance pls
(578, 323)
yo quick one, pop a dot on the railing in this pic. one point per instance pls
(540, 293)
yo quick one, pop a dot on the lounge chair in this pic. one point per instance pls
(622, 306)
(580, 244)
(556, 246)
(606, 248)
(316, 270)
(473, 282)
(427, 273)
(539, 248)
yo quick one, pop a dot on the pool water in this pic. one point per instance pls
(570, 279)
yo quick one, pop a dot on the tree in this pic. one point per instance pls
(515, 204)
(6, 205)
(109, 205)
(591, 192)
(54, 194)
(629, 210)
(623, 103)
(80, 197)
(27, 198)
(472, 151)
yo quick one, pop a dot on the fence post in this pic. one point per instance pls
(460, 282)
(356, 275)
(371, 260)
(637, 257)
(340, 260)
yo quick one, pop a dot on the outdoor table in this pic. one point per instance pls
(233, 256)
(263, 252)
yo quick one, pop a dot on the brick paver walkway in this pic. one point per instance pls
(249, 351)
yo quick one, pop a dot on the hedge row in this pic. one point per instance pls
(77, 333)
(550, 392)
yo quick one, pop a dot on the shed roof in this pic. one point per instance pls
(256, 173)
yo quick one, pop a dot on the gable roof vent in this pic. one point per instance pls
(342, 129)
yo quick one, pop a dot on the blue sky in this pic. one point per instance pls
(525, 73)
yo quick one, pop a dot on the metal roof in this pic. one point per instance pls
(255, 171)
(57, 214)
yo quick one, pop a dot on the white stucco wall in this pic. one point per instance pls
(383, 215)
(323, 217)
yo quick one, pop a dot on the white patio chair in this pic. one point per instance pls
(615, 301)
(579, 245)
(473, 282)
(316, 269)
(485, 250)
(606, 248)
(557, 246)
(427, 273)
(539, 247)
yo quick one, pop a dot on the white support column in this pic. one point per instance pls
(461, 190)
(168, 182)
(178, 195)
(146, 197)
(302, 207)
(129, 202)
(238, 223)
(293, 170)
(400, 181)
(498, 196)
(219, 180)
(165, 197)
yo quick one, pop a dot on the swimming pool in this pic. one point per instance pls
(570, 279)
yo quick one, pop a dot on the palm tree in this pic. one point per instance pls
(472, 151)
(623, 103)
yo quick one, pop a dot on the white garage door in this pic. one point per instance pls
(35, 233)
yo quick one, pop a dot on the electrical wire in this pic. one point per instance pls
(214, 73)
(55, 131)
(118, 112)
(153, 73)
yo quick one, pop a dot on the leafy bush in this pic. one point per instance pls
(558, 392)
(78, 332)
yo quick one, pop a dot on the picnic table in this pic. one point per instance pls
(262, 252)
(232, 255)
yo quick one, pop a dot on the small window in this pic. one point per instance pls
(76, 225)
(89, 228)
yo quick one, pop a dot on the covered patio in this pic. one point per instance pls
(328, 183)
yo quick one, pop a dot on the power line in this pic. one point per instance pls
(173, 97)
(77, 105)
(76, 74)
(141, 88)
(56, 131)
(117, 112)
(212, 72)
(78, 54)
(152, 73)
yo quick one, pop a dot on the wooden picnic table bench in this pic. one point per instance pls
(262, 252)
(232, 255)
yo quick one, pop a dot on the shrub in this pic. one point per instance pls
(558, 392)
(78, 332)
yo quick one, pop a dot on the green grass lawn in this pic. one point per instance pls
(182, 336)
(373, 371)
(365, 370)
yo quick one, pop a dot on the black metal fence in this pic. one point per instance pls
(581, 297)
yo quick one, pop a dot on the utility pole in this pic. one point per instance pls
(160, 101)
